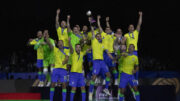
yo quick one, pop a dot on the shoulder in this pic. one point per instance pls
(135, 32)
(126, 35)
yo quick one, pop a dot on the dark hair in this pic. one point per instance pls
(78, 44)
(133, 45)
(98, 34)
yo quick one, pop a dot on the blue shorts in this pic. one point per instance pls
(39, 63)
(59, 74)
(127, 79)
(99, 66)
(89, 57)
(108, 60)
(76, 79)
(135, 53)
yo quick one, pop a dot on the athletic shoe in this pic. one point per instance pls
(106, 91)
(48, 84)
(116, 82)
(90, 96)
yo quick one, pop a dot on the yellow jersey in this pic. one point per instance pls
(77, 62)
(63, 35)
(59, 56)
(132, 38)
(39, 50)
(90, 34)
(97, 49)
(108, 41)
(128, 63)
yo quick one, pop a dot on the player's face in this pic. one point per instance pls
(123, 48)
(63, 24)
(78, 27)
(98, 37)
(75, 30)
(108, 30)
(46, 34)
(78, 48)
(60, 44)
(39, 34)
(131, 48)
(131, 28)
(85, 28)
(119, 31)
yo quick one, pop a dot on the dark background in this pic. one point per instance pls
(159, 36)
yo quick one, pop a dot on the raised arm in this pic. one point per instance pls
(68, 24)
(139, 22)
(65, 60)
(70, 46)
(107, 22)
(49, 43)
(92, 28)
(57, 18)
(99, 24)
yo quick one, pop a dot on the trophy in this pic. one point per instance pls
(89, 14)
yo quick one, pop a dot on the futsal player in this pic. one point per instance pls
(132, 37)
(76, 75)
(108, 42)
(39, 64)
(47, 45)
(129, 67)
(98, 62)
(61, 29)
(59, 73)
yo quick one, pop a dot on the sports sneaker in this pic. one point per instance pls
(116, 82)
(106, 91)
(48, 84)
(90, 96)
(104, 82)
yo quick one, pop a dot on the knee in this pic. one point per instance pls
(53, 85)
(108, 75)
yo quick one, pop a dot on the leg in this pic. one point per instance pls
(134, 84)
(64, 91)
(122, 85)
(121, 94)
(115, 75)
(73, 91)
(137, 94)
(52, 91)
(83, 93)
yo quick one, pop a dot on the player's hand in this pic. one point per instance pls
(63, 62)
(58, 11)
(107, 19)
(43, 43)
(124, 54)
(30, 40)
(68, 17)
(114, 60)
(140, 13)
(134, 71)
(98, 17)
(90, 19)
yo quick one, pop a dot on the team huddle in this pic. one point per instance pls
(80, 57)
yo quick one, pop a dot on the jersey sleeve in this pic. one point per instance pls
(67, 52)
(59, 32)
(136, 32)
(70, 34)
(103, 34)
(33, 42)
(36, 46)
(136, 61)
